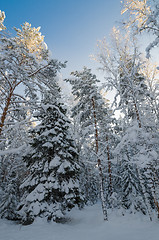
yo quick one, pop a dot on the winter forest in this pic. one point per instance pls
(59, 152)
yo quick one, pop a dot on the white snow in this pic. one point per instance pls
(55, 162)
(48, 145)
(86, 224)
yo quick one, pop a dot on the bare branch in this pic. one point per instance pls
(17, 95)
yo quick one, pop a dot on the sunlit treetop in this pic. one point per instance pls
(139, 12)
(32, 39)
(120, 44)
(2, 17)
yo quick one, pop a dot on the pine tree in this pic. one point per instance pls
(26, 74)
(92, 113)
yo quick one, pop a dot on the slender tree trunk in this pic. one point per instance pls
(137, 115)
(157, 206)
(103, 200)
(11, 91)
(99, 166)
(5, 111)
(109, 167)
(136, 109)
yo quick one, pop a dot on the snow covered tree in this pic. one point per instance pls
(133, 153)
(32, 40)
(124, 73)
(150, 73)
(26, 73)
(123, 64)
(2, 17)
(144, 16)
(12, 170)
(87, 159)
(91, 111)
(25, 65)
(51, 187)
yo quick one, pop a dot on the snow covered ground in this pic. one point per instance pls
(87, 224)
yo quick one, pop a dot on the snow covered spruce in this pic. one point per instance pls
(51, 187)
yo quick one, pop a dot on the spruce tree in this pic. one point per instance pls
(52, 186)
(134, 155)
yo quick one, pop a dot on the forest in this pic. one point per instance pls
(59, 152)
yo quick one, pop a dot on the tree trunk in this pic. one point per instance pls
(137, 115)
(4, 114)
(99, 166)
(109, 167)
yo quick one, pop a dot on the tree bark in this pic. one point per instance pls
(11, 91)
(137, 115)
(103, 201)
(4, 114)
(109, 167)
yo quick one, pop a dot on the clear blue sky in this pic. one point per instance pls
(71, 27)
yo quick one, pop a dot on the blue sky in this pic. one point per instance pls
(71, 27)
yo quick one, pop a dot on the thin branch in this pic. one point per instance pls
(34, 73)
(6, 78)
(17, 95)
